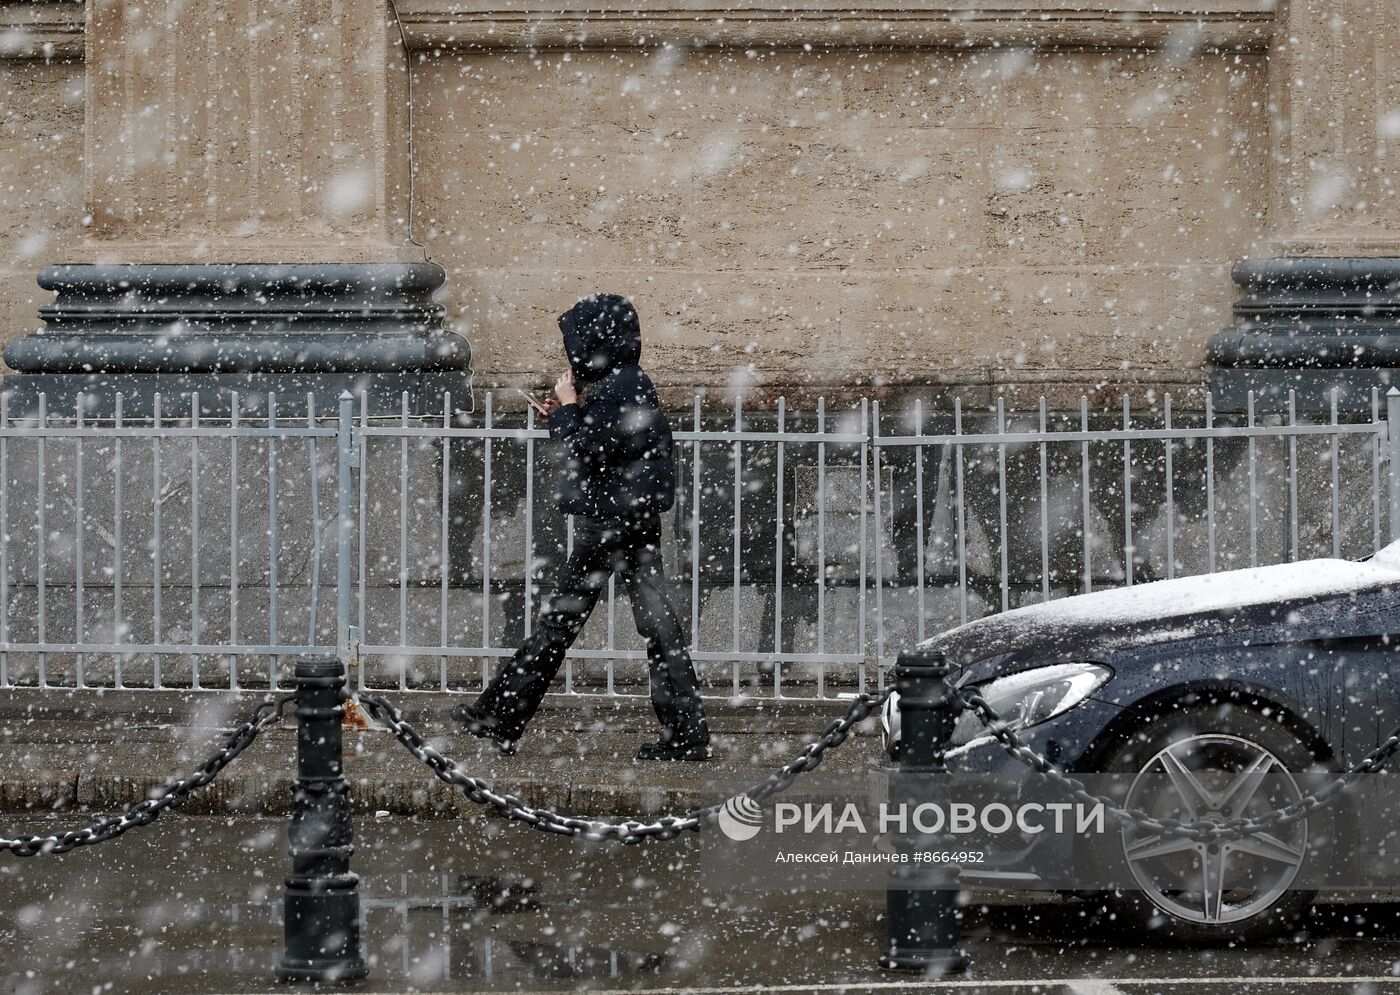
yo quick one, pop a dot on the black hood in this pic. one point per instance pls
(601, 334)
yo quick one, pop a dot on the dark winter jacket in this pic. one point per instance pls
(617, 460)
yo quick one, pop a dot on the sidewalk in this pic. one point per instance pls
(98, 752)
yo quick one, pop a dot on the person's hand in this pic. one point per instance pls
(564, 389)
(551, 405)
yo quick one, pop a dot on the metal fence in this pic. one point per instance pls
(807, 548)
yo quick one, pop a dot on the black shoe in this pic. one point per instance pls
(675, 751)
(483, 727)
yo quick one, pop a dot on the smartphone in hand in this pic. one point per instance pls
(533, 402)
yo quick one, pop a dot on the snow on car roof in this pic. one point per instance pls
(1209, 593)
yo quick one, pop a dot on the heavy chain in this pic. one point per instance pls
(665, 828)
(1201, 832)
(173, 795)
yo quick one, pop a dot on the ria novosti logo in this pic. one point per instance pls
(740, 818)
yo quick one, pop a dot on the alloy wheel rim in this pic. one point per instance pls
(1213, 776)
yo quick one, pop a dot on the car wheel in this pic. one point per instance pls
(1211, 762)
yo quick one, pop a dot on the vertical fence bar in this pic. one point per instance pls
(274, 661)
(778, 559)
(529, 517)
(118, 566)
(1168, 445)
(41, 540)
(444, 557)
(864, 490)
(568, 660)
(344, 522)
(612, 634)
(1127, 496)
(486, 535)
(4, 538)
(919, 517)
(1253, 486)
(1044, 505)
(610, 666)
(1336, 483)
(233, 540)
(1375, 469)
(879, 560)
(695, 478)
(1005, 564)
(403, 535)
(194, 537)
(1392, 431)
(960, 507)
(79, 619)
(821, 546)
(157, 566)
(1292, 477)
(314, 615)
(738, 530)
(1087, 504)
(364, 508)
(1210, 485)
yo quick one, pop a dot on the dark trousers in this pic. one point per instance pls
(631, 548)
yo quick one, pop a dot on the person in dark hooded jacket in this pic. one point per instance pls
(618, 476)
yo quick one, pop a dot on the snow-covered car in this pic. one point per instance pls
(1286, 669)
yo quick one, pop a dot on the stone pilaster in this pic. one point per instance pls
(247, 202)
(1319, 306)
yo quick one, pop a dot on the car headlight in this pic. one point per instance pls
(1034, 696)
(1023, 700)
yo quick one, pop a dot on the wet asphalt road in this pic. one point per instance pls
(193, 905)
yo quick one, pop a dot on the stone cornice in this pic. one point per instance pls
(825, 24)
(41, 29)
(53, 29)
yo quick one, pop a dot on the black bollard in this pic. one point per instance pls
(321, 907)
(921, 898)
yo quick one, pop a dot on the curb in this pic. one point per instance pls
(115, 749)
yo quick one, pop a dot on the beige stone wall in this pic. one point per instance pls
(839, 220)
(41, 180)
(244, 132)
(846, 219)
(1335, 87)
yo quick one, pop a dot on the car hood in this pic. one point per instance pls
(1093, 626)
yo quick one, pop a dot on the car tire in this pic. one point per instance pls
(1216, 736)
